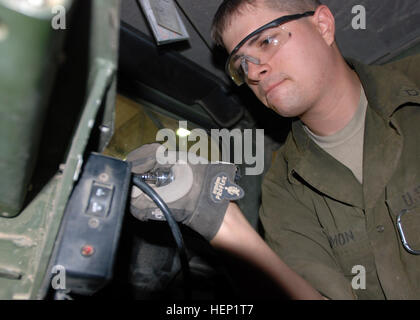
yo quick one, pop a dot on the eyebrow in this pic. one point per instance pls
(251, 42)
(254, 39)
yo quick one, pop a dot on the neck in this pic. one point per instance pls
(337, 105)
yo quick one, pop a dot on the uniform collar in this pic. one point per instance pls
(386, 93)
(307, 161)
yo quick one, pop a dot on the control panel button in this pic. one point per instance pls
(87, 250)
(100, 199)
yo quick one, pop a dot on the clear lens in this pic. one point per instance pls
(257, 50)
(260, 46)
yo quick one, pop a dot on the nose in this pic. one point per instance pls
(257, 72)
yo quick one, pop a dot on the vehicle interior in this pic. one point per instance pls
(76, 100)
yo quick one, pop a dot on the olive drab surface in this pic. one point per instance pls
(323, 222)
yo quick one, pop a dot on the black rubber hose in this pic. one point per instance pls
(179, 240)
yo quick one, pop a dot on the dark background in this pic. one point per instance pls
(392, 26)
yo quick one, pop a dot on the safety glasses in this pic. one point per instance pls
(259, 46)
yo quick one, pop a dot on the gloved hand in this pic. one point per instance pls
(198, 195)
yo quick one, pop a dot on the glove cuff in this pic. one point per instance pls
(214, 199)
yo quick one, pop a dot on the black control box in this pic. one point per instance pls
(92, 222)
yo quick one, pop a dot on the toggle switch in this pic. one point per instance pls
(100, 199)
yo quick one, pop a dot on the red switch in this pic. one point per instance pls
(87, 250)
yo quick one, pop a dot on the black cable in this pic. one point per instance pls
(174, 229)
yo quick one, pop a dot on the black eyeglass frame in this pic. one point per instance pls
(272, 24)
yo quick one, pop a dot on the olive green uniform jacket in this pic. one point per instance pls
(331, 229)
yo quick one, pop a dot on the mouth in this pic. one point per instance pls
(271, 87)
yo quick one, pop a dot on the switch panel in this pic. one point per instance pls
(100, 199)
(91, 226)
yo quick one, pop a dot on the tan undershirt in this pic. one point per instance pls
(347, 144)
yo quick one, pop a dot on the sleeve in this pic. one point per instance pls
(292, 230)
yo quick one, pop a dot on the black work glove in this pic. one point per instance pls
(198, 196)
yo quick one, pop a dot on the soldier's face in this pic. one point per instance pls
(297, 75)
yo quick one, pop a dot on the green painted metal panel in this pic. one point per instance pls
(28, 58)
(27, 240)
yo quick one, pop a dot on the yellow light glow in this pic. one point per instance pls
(181, 132)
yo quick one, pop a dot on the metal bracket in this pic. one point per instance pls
(401, 231)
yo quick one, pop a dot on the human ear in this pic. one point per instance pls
(325, 23)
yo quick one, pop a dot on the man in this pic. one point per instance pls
(348, 169)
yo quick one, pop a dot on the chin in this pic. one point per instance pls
(283, 108)
(287, 105)
(285, 113)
